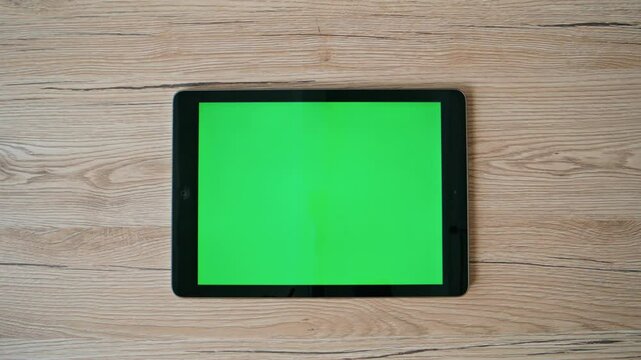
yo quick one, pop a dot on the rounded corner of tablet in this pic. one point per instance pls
(177, 289)
(178, 95)
(461, 291)
(459, 95)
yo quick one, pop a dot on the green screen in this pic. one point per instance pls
(319, 193)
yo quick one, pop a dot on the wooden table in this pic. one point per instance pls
(554, 91)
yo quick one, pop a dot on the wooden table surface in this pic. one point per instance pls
(554, 101)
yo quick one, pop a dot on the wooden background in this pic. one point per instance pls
(554, 91)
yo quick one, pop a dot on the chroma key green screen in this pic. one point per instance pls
(319, 193)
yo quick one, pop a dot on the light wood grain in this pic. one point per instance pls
(554, 101)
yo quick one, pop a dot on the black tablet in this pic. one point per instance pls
(319, 193)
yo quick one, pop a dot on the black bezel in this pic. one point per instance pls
(185, 193)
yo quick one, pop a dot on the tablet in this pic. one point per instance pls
(319, 193)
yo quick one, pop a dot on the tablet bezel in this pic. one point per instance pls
(185, 193)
